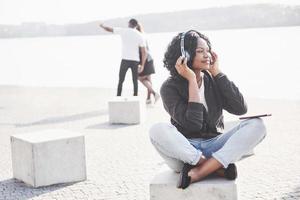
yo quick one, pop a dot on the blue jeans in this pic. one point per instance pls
(229, 147)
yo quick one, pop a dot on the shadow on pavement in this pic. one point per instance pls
(15, 189)
(295, 194)
(68, 118)
(107, 125)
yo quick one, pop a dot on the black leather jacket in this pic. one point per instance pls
(191, 118)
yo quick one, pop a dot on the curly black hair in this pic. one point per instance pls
(190, 44)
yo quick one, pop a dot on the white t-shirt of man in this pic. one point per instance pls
(201, 93)
(132, 39)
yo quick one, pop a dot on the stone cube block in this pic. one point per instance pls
(126, 110)
(48, 157)
(163, 187)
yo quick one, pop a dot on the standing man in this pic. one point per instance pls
(132, 40)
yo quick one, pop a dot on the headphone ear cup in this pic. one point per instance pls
(187, 55)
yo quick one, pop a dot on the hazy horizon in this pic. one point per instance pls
(16, 12)
(255, 59)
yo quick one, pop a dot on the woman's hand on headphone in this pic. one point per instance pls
(183, 69)
(214, 66)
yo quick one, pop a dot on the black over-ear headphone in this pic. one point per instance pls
(184, 53)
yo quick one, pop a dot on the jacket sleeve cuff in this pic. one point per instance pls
(219, 75)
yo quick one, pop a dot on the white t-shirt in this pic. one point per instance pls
(201, 93)
(132, 39)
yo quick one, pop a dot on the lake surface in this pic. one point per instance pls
(262, 62)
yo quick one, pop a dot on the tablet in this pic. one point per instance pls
(255, 116)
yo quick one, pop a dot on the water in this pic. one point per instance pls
(262, 62)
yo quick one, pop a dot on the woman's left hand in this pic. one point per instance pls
(140, 69)
(214, 66)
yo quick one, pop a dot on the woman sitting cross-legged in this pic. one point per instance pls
(194, 96)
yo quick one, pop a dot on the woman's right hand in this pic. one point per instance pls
(184, 70)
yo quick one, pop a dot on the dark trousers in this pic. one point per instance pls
(125, 64)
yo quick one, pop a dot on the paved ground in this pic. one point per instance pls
(120, 159)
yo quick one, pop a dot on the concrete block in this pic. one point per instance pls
(48, 157)
(126, 110)
(163, 187)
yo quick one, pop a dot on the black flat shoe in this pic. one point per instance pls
(184, 180)
(231, 172)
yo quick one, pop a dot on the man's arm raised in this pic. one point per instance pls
(107, 28)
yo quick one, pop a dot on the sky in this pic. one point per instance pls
(81, 11)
